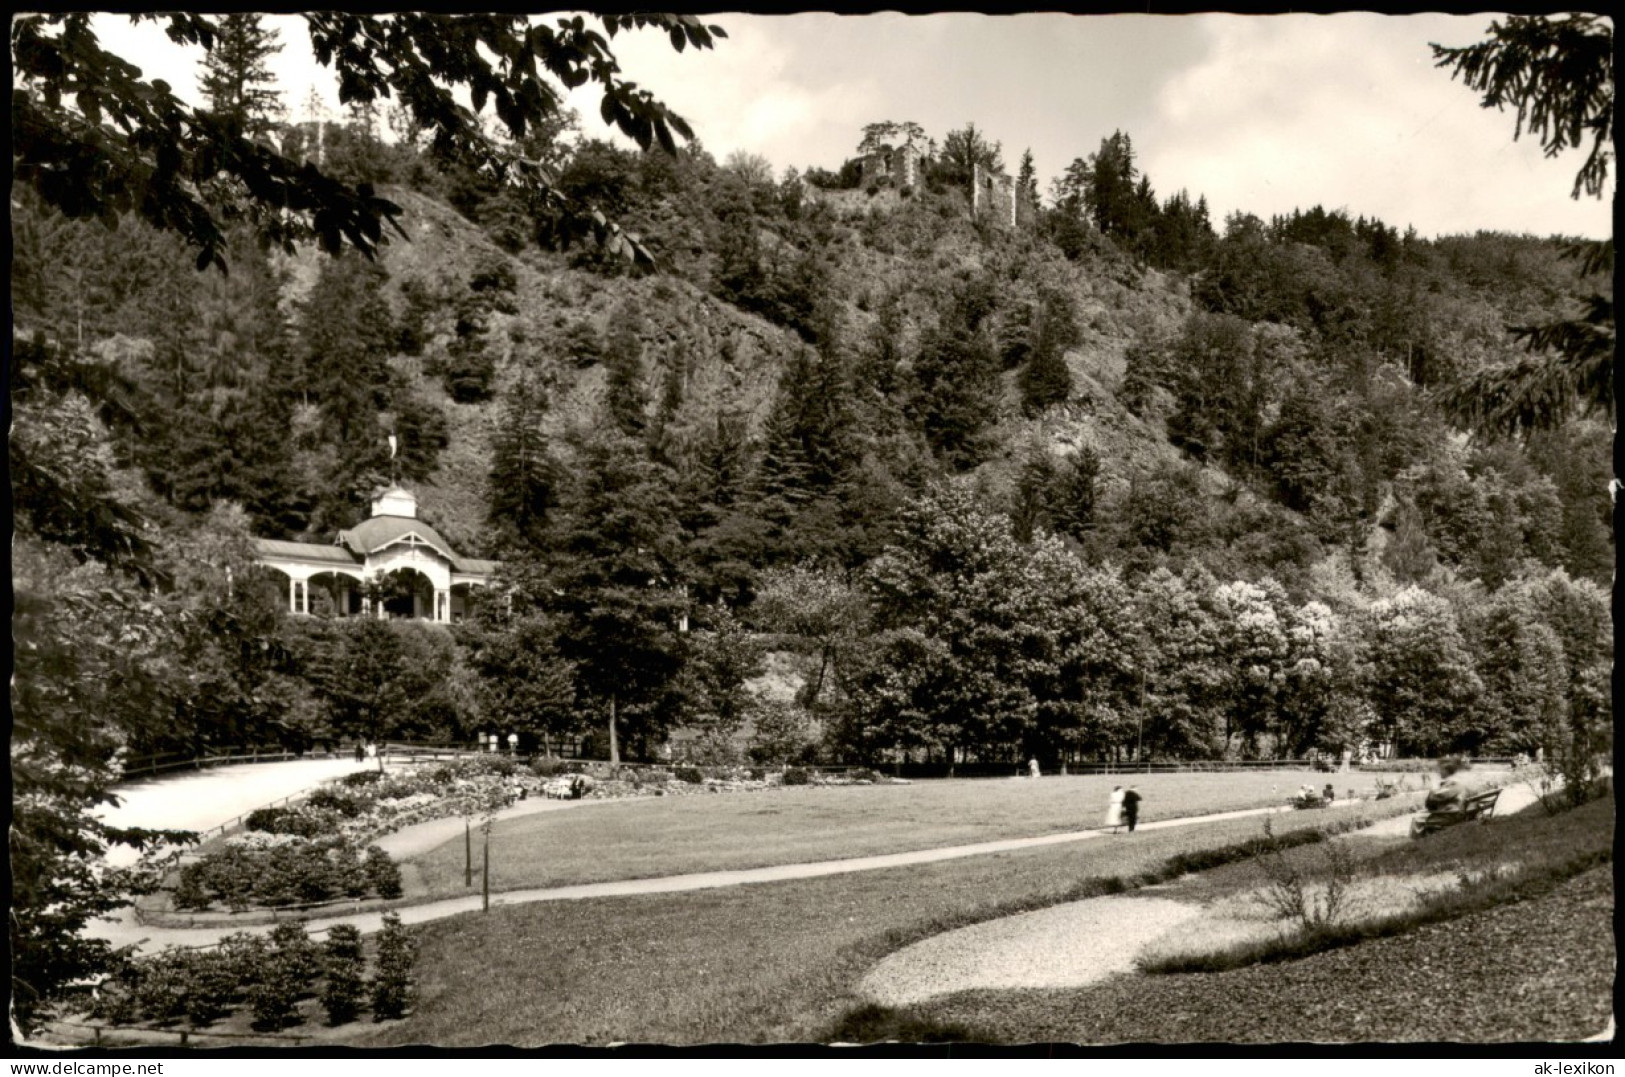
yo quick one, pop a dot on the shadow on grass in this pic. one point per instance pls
(881, 1024)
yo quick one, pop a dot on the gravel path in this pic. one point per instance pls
(1529, 971)
(1066, 946)
(198, 800)
(1070, 945)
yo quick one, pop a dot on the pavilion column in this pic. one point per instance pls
(442, 605)
(293, 595)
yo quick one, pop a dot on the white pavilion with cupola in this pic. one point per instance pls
(428, 580)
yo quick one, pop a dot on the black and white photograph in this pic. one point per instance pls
(812, 531)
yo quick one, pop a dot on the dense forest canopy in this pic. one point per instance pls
(833, 474)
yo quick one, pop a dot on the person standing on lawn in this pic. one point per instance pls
(1131, 808)
(1114, 808)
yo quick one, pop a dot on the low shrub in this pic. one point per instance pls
(382, 873)
(392, 985)
(862, 774)
(294, 951)
(691, 775)
(548, 768)
(345, 988)
(362, 777)
(160, 985)
(274, 998)
(328, 800)
(266, 820)
(343, 943)
(245, 955)
(343, 991)
(797, 776)
(116, 1002)
(296, 873)
(212, 985)
(1403, 766)
(300, 823)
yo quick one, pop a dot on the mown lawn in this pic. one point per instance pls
(650, 837)
(771, 962)
(1538, 966)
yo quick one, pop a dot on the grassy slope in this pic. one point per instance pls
(761, 963)
(1540, 968)
(669, 836)
(1536, 970)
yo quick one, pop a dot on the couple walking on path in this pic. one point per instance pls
(1123, 807)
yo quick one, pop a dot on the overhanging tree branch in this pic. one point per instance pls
(96, 139)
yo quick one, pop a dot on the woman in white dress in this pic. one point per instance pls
(1114, 809)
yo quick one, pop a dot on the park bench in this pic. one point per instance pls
(1479, 806)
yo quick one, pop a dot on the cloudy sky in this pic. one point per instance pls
(1260, 114)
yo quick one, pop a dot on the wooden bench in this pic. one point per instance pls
(1479, 806)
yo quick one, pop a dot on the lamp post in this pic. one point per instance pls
(1139, 722)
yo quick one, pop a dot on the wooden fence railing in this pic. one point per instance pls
(185, 1034)
(155, 764)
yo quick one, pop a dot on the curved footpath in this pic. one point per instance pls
(1069, 945)
(124, 931)
(203, 799)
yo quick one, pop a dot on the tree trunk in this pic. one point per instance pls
(614, 744)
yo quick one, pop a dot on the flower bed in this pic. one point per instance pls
(368, 804)
(276, 870)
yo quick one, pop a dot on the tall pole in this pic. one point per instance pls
(468, 854)
(1139, 725)
(485, 869)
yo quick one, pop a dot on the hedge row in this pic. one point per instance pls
(268, 976)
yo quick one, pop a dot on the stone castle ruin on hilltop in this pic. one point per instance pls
(993, 195)
(899, 168)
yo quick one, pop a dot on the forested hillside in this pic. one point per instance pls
(1116, 479)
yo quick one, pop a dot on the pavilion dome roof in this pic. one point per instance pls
(372, 535)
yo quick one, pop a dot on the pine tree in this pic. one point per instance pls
(1072, 498)
(956, 382)
(236, 82)
(1027, 186)
(1029, 510)
(1046, 380)
(616, 586)
(521, 483)
(624, 396)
